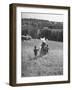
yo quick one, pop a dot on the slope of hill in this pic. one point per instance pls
(42, 28)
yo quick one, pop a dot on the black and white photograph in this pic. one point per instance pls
(41, 44)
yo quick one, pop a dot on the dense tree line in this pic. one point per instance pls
(42, 28)
(52, 35)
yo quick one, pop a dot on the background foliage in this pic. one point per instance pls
(42, 28)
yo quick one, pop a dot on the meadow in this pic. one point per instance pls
(47, 65)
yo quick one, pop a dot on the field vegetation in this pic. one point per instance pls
(49, 64)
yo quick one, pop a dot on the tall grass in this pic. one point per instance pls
(47, 65)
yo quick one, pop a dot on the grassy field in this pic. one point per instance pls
(49, 64)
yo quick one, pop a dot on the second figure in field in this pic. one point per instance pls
(43, 48)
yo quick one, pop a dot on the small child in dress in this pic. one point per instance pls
(35, 51)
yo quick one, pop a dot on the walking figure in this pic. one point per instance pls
(35, 51)
(44, 47)
(47, 49)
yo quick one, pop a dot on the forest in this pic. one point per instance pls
(37, 28)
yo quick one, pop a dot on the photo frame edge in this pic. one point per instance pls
(12, 50)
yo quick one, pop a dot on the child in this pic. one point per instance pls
(47, 48)
(35, 51)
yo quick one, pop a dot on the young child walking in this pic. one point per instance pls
(35, 51)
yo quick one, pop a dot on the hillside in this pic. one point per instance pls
(42, 23)
(37, 28)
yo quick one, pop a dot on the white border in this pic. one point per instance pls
(63, 77)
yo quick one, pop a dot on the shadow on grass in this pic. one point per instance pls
(36, 57)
